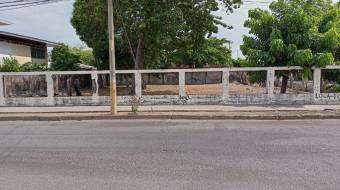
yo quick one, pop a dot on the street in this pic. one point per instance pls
(170, 155)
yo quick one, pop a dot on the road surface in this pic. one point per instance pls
(170, 155)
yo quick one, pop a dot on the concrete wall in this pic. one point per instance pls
(225, 98)
(25, 86)
(41, 61)
(20, 52)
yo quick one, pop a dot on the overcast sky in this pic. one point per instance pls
(52, 22)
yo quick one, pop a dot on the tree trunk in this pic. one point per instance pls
(140, 57)
(284, 84)
(305, 84)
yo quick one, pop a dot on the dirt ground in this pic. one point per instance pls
(208, 89)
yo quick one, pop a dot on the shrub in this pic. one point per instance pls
(334, 88)
(63, 59)
(30, 67)
(10, 64)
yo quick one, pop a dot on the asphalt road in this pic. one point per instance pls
(174, 155)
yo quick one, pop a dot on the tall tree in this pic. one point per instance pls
(151, 32)
(63, 59)
(293, 33)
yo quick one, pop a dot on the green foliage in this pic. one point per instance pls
(10, 65)
(293, 33)
(216, 53)
(30, 67)
(258, 77)
(337, 54)
(63, 59)
(334, 88)
(85, 55)
(173, 31)
(240, 63)
(213, 52)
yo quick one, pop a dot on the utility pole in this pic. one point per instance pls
(112, 59)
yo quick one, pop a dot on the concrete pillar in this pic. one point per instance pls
(138, 84)
(2, 95)
(95, 86)
(181, 82)
(317, 82)
(225, 82)
(270, 82)
(50, 88)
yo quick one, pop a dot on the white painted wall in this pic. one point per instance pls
(223, 99)
(21, 52)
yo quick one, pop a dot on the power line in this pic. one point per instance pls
(27, 3)
(11, 2)
(19, 4)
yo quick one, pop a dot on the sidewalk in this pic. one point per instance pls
(170, 108)
(172, 112)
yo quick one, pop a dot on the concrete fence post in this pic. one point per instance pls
(2, 94)
(138, 84)
(95, 86)
(181, 82)
(50, 88)
(225, 83)
(270, 82)
(317, 82)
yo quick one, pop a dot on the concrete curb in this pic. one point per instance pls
(168, 108)
(180, 116)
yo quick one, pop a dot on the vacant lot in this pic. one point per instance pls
(207, 89)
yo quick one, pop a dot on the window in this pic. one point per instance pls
(38, 53)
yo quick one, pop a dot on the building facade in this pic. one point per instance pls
(24, 48)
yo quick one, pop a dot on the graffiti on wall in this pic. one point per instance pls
(327, 96)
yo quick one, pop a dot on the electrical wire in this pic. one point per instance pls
(19, 4)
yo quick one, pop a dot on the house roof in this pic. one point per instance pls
(27, 39)
(3, 23)
(87, 67)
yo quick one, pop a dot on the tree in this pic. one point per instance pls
(63, 59)
(10, 64)
(337, 50)
(212, 52)
(293, 33)
(150, 32)
(85, 55)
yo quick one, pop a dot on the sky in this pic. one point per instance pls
(52, 22)
(236, 19)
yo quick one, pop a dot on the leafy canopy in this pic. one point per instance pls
(293, 33)
(161, 33)
(63, 59)
(67, 58)
(85, 55)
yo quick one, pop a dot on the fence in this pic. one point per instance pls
(50, 96)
